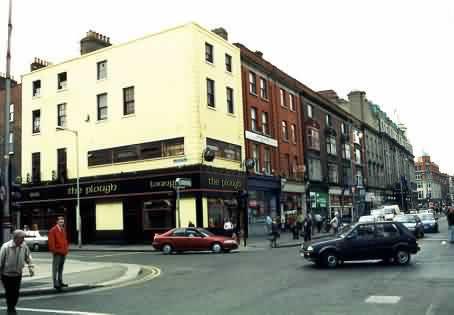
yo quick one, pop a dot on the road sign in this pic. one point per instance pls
(183, 182)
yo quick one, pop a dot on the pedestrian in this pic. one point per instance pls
(318, 221)
(58, 246)
(299, 224)
(190, 224)
(335, 223)
(450, 217)
(307, 228)
(228, 228)
(268, 222)
(274, 233)
(283, 222)
(13, 256)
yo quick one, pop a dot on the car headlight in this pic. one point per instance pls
(229, 242)
(310, 249)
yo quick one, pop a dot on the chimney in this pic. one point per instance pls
(3, 81)
(93, 41)
(221, 32)
(38, 64)
(259, 53)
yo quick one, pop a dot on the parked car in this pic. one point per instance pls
(430, 222)
(412, 222)
(363, 241)
(391, 211)
(36, 240)
(185, 239)
(367, 218)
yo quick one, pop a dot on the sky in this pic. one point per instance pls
(399, 52)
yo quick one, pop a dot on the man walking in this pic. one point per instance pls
(58, 245)
(307, 228)
(13, 256)
(450, 217)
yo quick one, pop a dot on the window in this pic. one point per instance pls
(225, 150)
(61, 115)
(230, 108)
(346, 151)
(267, 160)
(358, 155)
(158, 214)
(253, 119)
(61, 164)
(331, 145)
(285, 163)
(364, 232)
(125, 154)
(309, 111)
(210, 93)
(347, 176)
(282, 93)
(128, 101)
(256, 156)
(11, 112)
(228, 63)
(313, 138)
(315, 169)
(420, 195)
(333, 176)
(102, 70)
(173, 147)
(263, 88)
(36, 167)
(284, 130)
(419, 186)
(291, 99)
(102, 106)
(36, 116)
(178, 232)
(209, 53)
(265, 125)
(252, 83)
(328, 120)
(293, 130)
(61, 81)
(37, 88)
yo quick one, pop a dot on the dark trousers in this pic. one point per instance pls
(12, 286)
(307, 234)
(58, 262)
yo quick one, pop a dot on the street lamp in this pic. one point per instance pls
(78, 218)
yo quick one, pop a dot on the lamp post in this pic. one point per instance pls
(78, 218)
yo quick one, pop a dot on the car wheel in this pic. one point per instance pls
(330, 259)
(402, 257)
(216, 248)
(36, 247)
(167, 249)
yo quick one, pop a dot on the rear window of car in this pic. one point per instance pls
(427, 217)
(405, 218)
(178, 232)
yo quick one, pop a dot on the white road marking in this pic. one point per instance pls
(55, 311)
(430, 310)
(110, 255)
(383, 299)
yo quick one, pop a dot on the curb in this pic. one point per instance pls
(124, 250)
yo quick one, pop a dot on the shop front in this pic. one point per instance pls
(340, 201)
(131, 208)
(263, 200)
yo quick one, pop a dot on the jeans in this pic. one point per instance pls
(58, 262)
(12, 286)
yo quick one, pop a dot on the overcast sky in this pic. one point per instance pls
(399, 52)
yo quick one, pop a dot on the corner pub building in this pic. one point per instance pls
(143, 113)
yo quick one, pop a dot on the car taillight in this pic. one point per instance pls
(156, 234)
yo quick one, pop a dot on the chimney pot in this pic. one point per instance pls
(221, 32)
(259, 53)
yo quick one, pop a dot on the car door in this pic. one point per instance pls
(357, 244)
(178, 239)
(194, 239)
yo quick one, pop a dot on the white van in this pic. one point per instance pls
(391, 211)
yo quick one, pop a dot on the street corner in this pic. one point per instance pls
(134, 274)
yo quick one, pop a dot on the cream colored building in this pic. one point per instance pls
(145, 111)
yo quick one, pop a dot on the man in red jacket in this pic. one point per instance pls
(58, 245)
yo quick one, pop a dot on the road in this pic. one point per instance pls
(269, 281)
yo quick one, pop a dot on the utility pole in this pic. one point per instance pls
(6, 220)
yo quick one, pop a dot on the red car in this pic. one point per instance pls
(184, 239)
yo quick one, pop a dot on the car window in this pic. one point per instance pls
(178, 232)
(364, 232)
(192, 233)
(387, 231)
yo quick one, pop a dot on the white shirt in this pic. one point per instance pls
(13, 258)
(228, 225)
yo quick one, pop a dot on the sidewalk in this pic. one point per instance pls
(286, 240)
(80, 275)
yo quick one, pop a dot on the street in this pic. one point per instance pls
(266, 281)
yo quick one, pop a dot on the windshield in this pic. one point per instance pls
(405, 218)
(427, 217)
(345, 230)
(388, 211)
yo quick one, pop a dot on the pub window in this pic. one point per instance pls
(158, 214)
(36, 167)
(125, 154)
(100, 157)
(173, 147)
(225, 150)
(62, 169)
(150, 150)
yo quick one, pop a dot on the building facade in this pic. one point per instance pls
(272, 121)
(146, 112)
(432, 185)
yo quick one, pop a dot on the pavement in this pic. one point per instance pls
(80, 275)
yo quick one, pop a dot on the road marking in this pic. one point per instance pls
(383, 299)
(55, 311)
(111, 255)
(430, 310)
